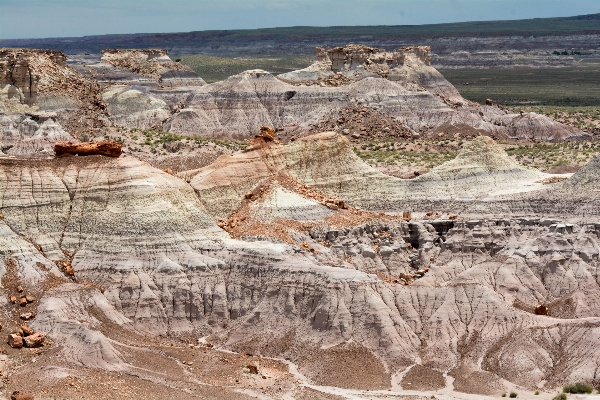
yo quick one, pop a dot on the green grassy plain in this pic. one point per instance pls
(213, 69)
(527, 27)
(423, 155)
(559, 87)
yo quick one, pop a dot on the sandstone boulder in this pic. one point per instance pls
(27, 331)
(103, 148)
(34, 340)
(17, 395)
(15, 341)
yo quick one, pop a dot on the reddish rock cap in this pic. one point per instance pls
(103, 148)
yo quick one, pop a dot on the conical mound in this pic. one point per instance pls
(481, 169)
(484, 154)
(588, 176)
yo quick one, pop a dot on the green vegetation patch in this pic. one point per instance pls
(153, 138)
(214, 69)
(423, 155)
(565, 86)
(584, 118)
(405, 156)
(577, 388)
(545, 156)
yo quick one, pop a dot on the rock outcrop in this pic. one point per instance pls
(155, 92)
(31, 135)
(411, 68)
(18, 82)
(456, 295)
(42, 80)
(103, 148)
(420, 99)
(18, 70)
(153, 63)
(409, 65)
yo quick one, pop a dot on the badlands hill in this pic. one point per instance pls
(144, 89)
(482, 170)
(384, 294)
(289, 268)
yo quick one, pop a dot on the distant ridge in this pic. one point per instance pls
(301, 39)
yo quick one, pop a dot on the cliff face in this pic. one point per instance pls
(350, 57)
(31, 71)
(15, 70)
(408, 65)
(42, 80)
(401, 85)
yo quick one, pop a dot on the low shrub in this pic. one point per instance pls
(537, 392)
(560, 396)
(577, 387)
(512, 395)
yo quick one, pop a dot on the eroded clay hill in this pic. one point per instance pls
(449, 296)
(326, 162)
(397, 95)
(285, 270)
(152, 63)
(422, 101)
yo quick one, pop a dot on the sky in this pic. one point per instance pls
(63, 18)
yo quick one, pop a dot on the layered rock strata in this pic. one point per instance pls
(421, 99)
(42, 80)
(401, 86)
(30, 135)
(153, 63)
(576, 197)
(327, 163)
(409, 65)
(166, 266)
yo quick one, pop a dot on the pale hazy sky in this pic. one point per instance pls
(59, 18)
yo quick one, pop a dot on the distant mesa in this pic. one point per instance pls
(355, 62)
(153, 63)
